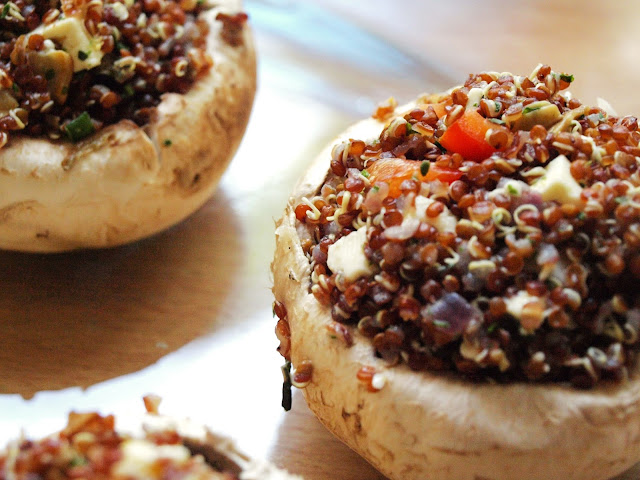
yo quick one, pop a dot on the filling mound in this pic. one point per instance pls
(492, 231)
(89, 448)
(69, 67)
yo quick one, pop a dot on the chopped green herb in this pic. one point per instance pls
(498, 106)
(582, 216)
(15, 87)
(5, 10)
(566, 77)
(286, 386)
(128, 91)
(512, 190)
(424, 167)
(49, 74)
(167, 142)
(409, 129)
(80, 127)
(621, 199)
(365, 174)
(530, 109)
(376, 188)
(492, 328)
(499, 121)
(82, 55)
(78, 461)
(441, 323)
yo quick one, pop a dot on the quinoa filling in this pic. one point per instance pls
(70, 67)
(492, 231)
(90, 448)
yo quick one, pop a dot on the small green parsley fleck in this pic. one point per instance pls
(82, 55)
(167, 142)
(530, 109)
(5, 10)
(566, 77)
(78, 461)
(128, 91)
(512, 190)
(424, 167)
(441, 323)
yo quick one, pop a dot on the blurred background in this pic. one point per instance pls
(187, 314)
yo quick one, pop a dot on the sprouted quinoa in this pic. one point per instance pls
(69, 67)
(500, 235)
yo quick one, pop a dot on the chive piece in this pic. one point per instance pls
(566, 77)
(82, 55)
(582, 216)
(441, 323)
(497, 121)
(5, 10)
(376, 188)
(78, 461)
(492, 328)
(530, 109)
(49, 74)
(424, 167)
(498, 106)
(364, 173)
(286, 386)
(15, 87)
(128, 91)
(621, 199)
(409, 129)
(80, 127)
(167, 142)
(512, 190)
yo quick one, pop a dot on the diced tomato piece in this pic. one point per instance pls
(394, 171)
(445, 175)
(467, 136)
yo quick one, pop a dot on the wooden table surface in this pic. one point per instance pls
(187, 314)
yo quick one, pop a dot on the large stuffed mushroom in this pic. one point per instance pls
(457, 280)
(117, 117)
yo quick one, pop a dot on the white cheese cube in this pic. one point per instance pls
(557, 184)
(139, 457)
(346, 256)
(75, 39)
(445, 222)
